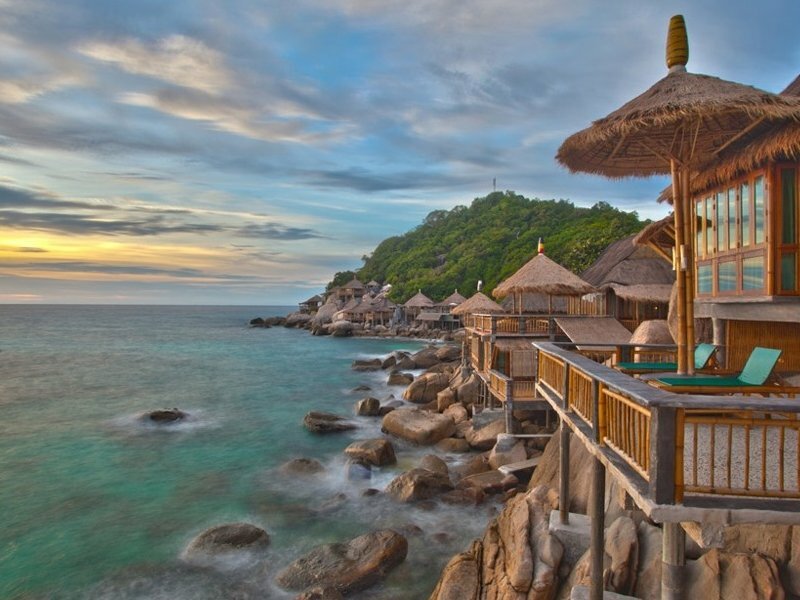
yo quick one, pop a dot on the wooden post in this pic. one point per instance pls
(688, 217)
(662, 455)
(719, 327)
(679, 273)
(509, 406)
(597, 543)
(673, 559)
(563, 475)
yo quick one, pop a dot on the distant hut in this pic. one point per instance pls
(418, 303)
(350, 312)
(541, 275)
(377, 311)
(453, 300)
(373, 288)
(311, 305)
(634, 284)
(353, 289)
(477, 304)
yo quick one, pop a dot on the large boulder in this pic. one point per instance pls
(421, 427)
(425, 388)
(445, 398)
(425, 358)
(302, 466)
(486, 437)
(431, 462)
(378, 452)
(324, 314)
(368, 407)
(457, 412)
(418, 484)
(448, 353)
(347, 567)
(297, 319)
(516, 558)
(622, 549)
(341, 329)
(397, 377)
(507, 450)
(721, 575)
(322, 422)
(366, 364)
(468, 391)
(224, 540)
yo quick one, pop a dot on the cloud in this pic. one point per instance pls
(176, 59)
(19, 198)
(275, 231)
(364, 180)
(23, 249)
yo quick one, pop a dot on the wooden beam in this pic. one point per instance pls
(563, 475)
(597, 543)
(673, 560)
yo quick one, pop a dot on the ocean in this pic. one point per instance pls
(97, 503)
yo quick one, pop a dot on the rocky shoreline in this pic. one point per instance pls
(520, 554)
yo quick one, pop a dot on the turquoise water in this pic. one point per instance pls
(98, 504)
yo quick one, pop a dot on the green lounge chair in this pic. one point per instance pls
(755, 373)
(702, 356)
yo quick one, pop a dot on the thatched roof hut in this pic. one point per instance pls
(452, 300)
(541, 275)
(354, 284)
(478, 303)
(624, 263)
(644, 292)
(418, 300)
(659, 236)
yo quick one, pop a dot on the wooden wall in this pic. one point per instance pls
(743, 336)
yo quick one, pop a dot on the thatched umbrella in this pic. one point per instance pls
(476, 304)
(452, 300)
(541, 275)
(678, 126)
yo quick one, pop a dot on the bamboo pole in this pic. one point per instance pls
(563, 475)
(679, 273)
(689, 241)
(597, 543)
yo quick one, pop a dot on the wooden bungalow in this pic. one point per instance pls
(634, 284)
(353, 289)
(377, 311)
(746, 238)
(418, 303)
(312, 304)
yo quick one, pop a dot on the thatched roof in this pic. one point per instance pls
(763, 145)
(659, 236)
(639, 138)
(655, 331)
(478, 303)
(430, 316)
(544, 276)
(594, 330)
(373, 283)
(793, 89)
(625, 263)
(453, 299)
(313, 300)
(353, 284)
(418, 300)
(644, 292)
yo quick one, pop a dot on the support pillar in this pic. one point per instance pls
(673, 560)
(563, 475)
(597, 544)
(720, 329)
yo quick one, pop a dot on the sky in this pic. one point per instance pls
(242, 152)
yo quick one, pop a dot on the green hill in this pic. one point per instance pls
(488, 241)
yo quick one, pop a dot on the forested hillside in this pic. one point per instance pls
(488, 241)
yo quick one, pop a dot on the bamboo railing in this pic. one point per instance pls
(678, 448)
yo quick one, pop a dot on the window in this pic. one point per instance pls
(731, 219)
(727, 276)
(753, 273)
(788, 272)
(722, 215)
(704, 279)
(788, 204)
(759, 208)
(744, 222)
(708, 225)
(700, 238)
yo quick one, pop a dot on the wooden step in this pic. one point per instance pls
(520, 466)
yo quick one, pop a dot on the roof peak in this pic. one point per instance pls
(677, 45)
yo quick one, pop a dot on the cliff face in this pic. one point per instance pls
(518, 558)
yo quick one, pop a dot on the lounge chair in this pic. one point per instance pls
(702, 357)
(753, 377)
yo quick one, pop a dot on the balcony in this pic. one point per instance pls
(680, 456)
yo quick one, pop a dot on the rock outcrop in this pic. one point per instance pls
(226, 539)
(322, 422)
(418, 426)
(377, 452)
(418, 484)
(346, 567)
(425, 388)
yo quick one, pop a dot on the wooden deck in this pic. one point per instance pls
(680, 457)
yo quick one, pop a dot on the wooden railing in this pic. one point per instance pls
(678, 448)
(539, 325)
(500, 384)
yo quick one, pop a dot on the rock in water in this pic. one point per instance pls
(378, 452)
(302, 466)
(225, 539)
(347, 567)
(368, 407)
(321, 422)
(418, 484)
(166, 415)
(418, 426)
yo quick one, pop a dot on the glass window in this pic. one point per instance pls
(753, 273)
(721, 228)
(744, 203)
(704, 279)
(788, 206)
(700, 238)
(709, 225)
(727, 276)
(788, 272)
(759, 209)
(731, 219)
